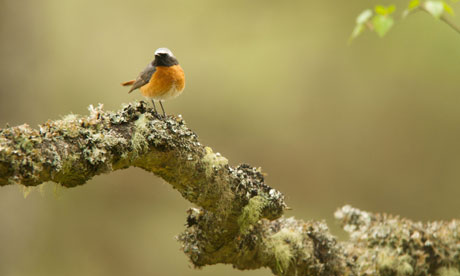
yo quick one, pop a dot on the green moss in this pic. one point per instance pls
(71, 172)
(214, 161)
(282, 245)
(251, 213)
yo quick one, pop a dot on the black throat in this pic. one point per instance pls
(164, 60)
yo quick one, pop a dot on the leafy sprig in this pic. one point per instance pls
(381, 20)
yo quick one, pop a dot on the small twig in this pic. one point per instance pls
(450, 23)
(444, 19)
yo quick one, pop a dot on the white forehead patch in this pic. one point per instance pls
(164, 51)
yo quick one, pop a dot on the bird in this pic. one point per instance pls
(161, 80)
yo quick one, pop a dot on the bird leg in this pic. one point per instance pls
(164, 114)
(154, 107)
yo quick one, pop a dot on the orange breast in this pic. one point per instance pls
(163, 80)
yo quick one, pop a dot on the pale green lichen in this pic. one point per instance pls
(74, 149)
(214, 161)
(383, 244)
(448, 271)
(69, 126)
(282, 245)
(70, 118)
(252, 212)
(27, 190)
(388, 263)
(139, 142)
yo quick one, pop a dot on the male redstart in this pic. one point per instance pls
(161, 80)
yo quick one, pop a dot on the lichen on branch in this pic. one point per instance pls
(239, 218)
(72, 150)
(383, 244)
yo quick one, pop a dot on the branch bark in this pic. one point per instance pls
(239, 220)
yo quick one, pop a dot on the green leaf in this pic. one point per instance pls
(382, 24)
(359, 28)
(454, 1)
(379, 9)
(413, 4)
(391, 9)
(364, 16)
(435, 8)
(448, 8)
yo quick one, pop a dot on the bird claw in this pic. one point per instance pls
(158, 115)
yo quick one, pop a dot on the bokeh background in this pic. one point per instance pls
(375, 124)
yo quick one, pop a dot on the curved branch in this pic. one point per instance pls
(239, 220)
(73, 150)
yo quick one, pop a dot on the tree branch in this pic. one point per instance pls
(239, 219)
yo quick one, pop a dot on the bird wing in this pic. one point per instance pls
(144, 77)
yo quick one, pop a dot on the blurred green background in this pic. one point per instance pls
(270, 83)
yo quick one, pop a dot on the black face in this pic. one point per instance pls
(162, 59)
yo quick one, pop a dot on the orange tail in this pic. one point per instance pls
(126, 83)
